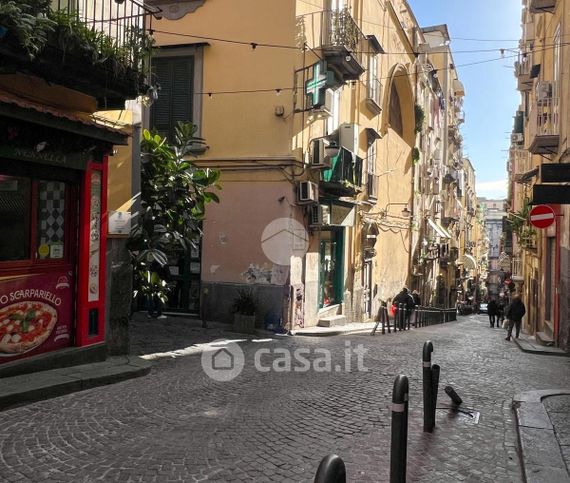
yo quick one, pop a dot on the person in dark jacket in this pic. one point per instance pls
(492, 310)
(407, 301)
(515, 312)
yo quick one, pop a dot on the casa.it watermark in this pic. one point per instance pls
(225, 360)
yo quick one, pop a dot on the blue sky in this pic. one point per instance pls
(491, 98)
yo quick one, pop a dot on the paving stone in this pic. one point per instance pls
(178, 424)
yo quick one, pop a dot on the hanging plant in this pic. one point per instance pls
(415, 155)
(420, 118)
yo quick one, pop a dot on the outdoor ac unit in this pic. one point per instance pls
(318, 154)
(325, 110)
(348, 137)
(543, 90)
(308, 192)
(517, 137)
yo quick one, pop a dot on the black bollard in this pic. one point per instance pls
(399, 443)
(453, 395)
(429, 405)
(331, 470)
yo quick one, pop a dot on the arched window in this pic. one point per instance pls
(396, 111)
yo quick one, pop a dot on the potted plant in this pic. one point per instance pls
(244, 308)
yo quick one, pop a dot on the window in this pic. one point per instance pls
(15, 213)
(371, 167)
(334, 120)
(175, 76)
(556, 63)
(374, 86)
(396, 112)
(35, 212)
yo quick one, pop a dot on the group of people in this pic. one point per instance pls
(498, 311)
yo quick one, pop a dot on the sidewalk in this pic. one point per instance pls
(26, 388)
(528, 343)
(544, 434)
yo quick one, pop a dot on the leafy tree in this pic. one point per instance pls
(174, 195)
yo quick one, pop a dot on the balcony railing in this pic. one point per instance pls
(517, 270)
(344, 177)
(544, 126)
(337, 34)
(93, 46)
(522, 73)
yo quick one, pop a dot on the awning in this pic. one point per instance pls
(442, 232)
(468, 261)
(526, 176)
(82, 124)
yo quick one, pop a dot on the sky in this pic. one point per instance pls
(491, 98)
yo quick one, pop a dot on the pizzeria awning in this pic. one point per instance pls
(440, 231)
(468, 261)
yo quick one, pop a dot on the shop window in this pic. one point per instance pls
(35, 213)
(15, 213)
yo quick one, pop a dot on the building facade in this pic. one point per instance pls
(538, 169)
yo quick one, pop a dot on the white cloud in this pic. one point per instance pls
(492, 189)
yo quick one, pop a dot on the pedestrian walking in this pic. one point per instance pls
(501, 307)
(492, 309)
(514, 313)
(407, 301)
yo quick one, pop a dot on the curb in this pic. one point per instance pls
(526, 346)
(328, 333)
(24, 389)
(540, 450)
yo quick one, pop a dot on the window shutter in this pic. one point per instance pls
(175, 76)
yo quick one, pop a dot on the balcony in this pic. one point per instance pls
(340, 39)
(517, 270)
(541, 6)
(522, 73)
(344, 177)
(544, 127)
(96, 47)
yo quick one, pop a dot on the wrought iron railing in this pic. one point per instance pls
(114, 26)
(346, 170)
(545, 117)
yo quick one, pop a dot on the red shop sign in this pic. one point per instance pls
(36, 314)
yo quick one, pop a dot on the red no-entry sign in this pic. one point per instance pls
(542, 216)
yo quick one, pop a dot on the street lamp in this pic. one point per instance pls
(406, 213)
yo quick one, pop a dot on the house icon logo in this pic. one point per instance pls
(223, 361)
(283, 238)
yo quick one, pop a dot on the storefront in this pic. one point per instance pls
(53, 185)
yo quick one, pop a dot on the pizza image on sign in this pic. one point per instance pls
(25, 326)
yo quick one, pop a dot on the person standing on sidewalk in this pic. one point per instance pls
(492, 310)
(515, 312)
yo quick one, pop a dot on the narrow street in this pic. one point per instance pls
(179, 425)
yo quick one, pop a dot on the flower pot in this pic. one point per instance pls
(244, 323)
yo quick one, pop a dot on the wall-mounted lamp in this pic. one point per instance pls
(406, 213)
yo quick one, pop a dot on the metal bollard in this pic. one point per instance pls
(429, 404)
(387, 318)
(331, 470)
(453, 395)
(401, 317)
(399, 443)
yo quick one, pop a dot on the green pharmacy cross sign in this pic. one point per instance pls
(316, 86)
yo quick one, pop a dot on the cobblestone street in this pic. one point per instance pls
(176, 424)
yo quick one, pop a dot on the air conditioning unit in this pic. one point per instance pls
(325, 110)
(348, 137)
(308, 192)
(517, 137)
(543, 90)
(318, 154)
